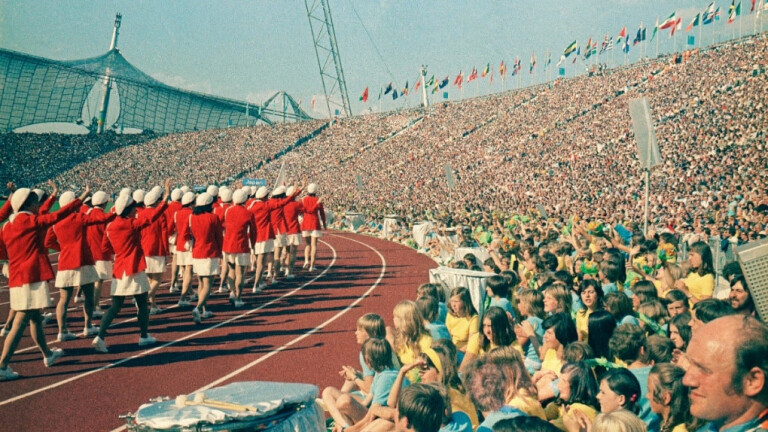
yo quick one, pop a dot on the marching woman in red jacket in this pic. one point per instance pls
(239, 227)
(29, 271)
(124, 234)
(154, 244)
(313, 222)
(291, 213)
(170, 214)
(225, 202)
(183, 246)
(76, 264)
(102, 256)
(205, 228)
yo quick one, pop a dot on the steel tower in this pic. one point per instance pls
(107, 86)
(328, 58)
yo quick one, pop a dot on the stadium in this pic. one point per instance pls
(533, 194)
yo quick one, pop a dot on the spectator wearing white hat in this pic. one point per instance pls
(170, 222)
(76, 266)
(224, 202)
(102, 255)
(312, 224)
(29, 271)
(183, 245)
(154, 244)
(291, 213)
(239, 230)
(205, 228)
(123, 234)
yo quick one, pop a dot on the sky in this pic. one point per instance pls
(248, 50)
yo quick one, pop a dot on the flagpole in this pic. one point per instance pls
(656, 31)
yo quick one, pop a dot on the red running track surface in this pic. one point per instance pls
(296, 331)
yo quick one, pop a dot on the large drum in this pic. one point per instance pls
(243, 406)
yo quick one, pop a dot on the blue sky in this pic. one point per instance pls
(247, 50)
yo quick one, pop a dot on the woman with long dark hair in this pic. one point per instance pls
(699, 284)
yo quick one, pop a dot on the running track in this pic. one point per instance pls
(297, 331)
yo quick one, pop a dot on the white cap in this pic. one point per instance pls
(204, 199)
(239, 196)
(185, 189)
(189, 197)
(290, 190)
(156, 189)
(176, 194)
(278, 190)
(99, 198)
(312, 188)
(253, 190)
(125, 191)
(151, 198)
(261, 193)
(138, 196)
(18, 198)
(39, 192)
(225, 194)
(122, 202)
(213, 190)
(66, 198)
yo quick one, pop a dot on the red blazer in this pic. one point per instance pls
(94, 234)
(69, 237)
(181, 224)
(173, 207)
(154, 237)
(239, 228)
(260, 211)
(23, 236)
(5, 210)
(291, 213)
(124, 234)
(313, 212)
(220, 209)
(205, 228)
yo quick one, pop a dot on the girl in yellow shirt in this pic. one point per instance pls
(409, 338)
(668, 399)
(462, 321)
(700, 282)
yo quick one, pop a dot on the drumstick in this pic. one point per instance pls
(182, 401)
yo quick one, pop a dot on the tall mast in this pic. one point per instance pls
(102, 119)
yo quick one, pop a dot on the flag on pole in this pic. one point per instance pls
(394, 94)
(640, 36)
(459, 79)
(502, 69)
(678, 26)
(694, 23)
(472, 76)
(626, 45)
(623, 32)
(733, 11)
(588, 48)
(486, 70)
(752, 9)
(548, 61)
(578, 54)
(671, 21)
(518, 66)
(280, 181)
(312, 103)
(388, 89)
(444, 82)
(405, 89)
(533, 63)
(655, 29)
(364, 96)
(418, 84)
(430, 82)
(570, 48)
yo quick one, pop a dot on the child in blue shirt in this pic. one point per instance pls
(496, 287)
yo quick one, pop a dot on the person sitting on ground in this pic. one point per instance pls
(420, 408)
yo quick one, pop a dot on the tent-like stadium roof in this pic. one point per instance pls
(37, 90)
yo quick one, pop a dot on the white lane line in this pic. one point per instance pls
(158, 348)
(305, 335)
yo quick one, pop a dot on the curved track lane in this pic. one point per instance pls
(300, 331)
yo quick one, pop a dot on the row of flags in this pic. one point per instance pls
(672, 23)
